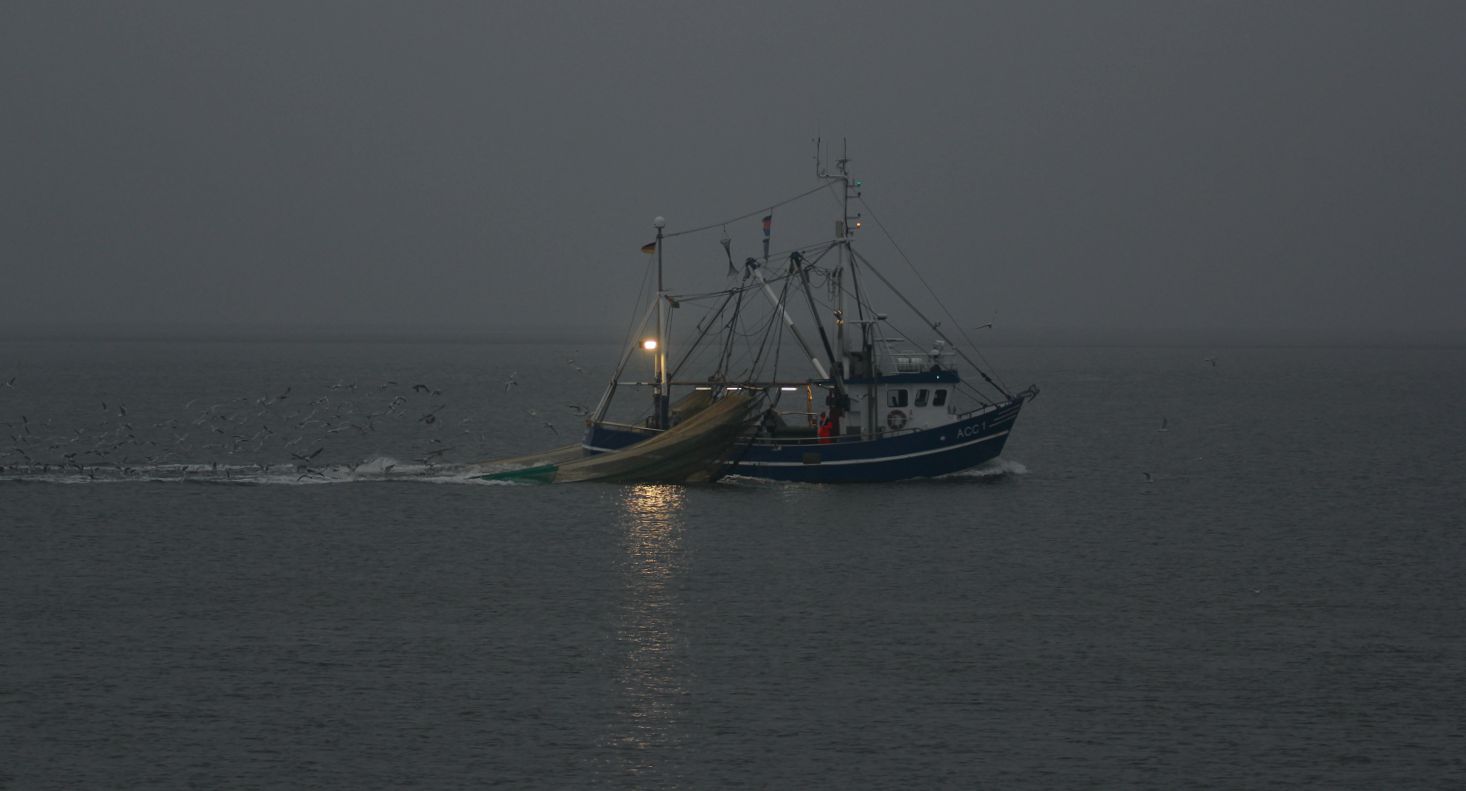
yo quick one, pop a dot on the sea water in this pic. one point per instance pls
(239, 579)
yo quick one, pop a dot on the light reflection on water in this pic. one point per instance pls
(651, 624)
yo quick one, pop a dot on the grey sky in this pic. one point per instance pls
(1293, 165)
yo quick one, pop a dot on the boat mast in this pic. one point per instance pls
(661, 390)
(842, 237)
(845, 229)
(840, 399)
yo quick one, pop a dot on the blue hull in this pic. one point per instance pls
(955, 446)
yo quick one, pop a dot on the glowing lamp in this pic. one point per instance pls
(650, 344)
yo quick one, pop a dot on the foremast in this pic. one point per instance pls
(662, 388)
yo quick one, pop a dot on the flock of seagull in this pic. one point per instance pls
(292, 431)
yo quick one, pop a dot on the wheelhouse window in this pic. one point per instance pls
(922, 396)
(939, 398)
(896, 397)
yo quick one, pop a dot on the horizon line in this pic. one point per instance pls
(562, 333)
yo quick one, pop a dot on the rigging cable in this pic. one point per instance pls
(768, 208)
(960, 329)
(711, 319)
(928, 321)
(773, 322)
(725, 361)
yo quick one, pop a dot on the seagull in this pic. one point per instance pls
(10, 382)
(577, 410)
(309, 456)
(1148, 477)
(1163, 425)
(511, 381)
(1211, 360)
(551, 427)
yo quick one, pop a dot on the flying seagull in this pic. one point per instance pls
(308, 456)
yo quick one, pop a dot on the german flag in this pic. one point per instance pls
(649, 248)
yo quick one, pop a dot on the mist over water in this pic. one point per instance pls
(1277, 604)
(1147, 166)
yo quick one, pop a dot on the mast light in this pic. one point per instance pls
(650, 344)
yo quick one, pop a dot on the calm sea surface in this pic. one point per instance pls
(238, 579)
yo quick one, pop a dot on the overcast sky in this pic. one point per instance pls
(1188, 165)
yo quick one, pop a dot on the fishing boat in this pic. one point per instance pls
(860, 401)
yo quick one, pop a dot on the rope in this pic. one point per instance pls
(929, 323)
(962, 331)
(768, 208)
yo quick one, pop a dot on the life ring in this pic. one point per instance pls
(896, 420)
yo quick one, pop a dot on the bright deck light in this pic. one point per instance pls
(650, 344)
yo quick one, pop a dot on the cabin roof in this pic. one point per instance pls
(942, 376)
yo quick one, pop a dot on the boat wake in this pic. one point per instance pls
(378, 469)
(997, 468)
